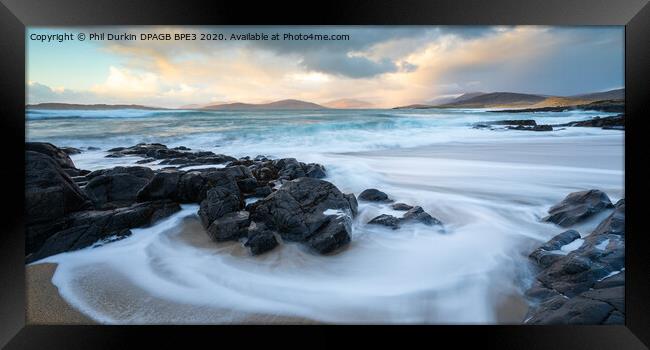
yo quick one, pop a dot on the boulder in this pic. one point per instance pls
(577, 207)
(549, 252)
(413, 215)
(401, 206)
(85, 228)
(386, 220)
(584, 286)
(117, 187)
(230, 226)
(180, 156)
(417, 214)
(48, 149)
(164, 184)
(219, 201)
(374, 195)
(260, 239)
(334, 234)
(50, 194)
(307, 208)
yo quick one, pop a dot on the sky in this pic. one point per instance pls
(385, 66)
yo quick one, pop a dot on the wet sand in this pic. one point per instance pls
(115, 296)
(44, 304)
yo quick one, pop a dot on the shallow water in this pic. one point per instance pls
(489, 188)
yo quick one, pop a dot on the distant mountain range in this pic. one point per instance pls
(519, 100)
(504, 100)
(279, 105)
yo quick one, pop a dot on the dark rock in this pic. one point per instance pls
(413, 215)
(176, 156)
(48, 149)
(247, 185)
(589, 279)
(260, 239)
(334, 235)
(591, 307)
(84, 228)
(219, 201)
(74, 172)
(401, 206)
(577, 207)
(70, 150)
(117, 187)
(145, 161)
(163, 185)
(50, 194)
(520, 122)
(548, 253)
(316, 171)
(193, 185)
(386, 220)
(374, 195)
(614, 122)
(297, 212)
(612, 281)
(230, 226)
(261, 243)
(614, 224)
(290, 169)
(417, 214)
(92, 148)
(532, 128)
(263, 191)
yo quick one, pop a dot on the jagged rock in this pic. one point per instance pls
(58, 155)
(417, 214)
(219, 201)
(519, 122)
(413, 215)
(50, 194)
(585, 286)
(550, 252)
(386, 220)
(164, 184)
(614, 122)
(401, 206)
(83, 228)
(333, 235)
(577, 207)
(176, 156)
(230, 226)
(374, 195)
(305, 209)
(116, 187)
(260, 239)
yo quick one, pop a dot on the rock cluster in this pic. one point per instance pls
(585, 283)
(413, 214)
(72, 211)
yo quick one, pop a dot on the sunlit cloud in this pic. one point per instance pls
(383, 66)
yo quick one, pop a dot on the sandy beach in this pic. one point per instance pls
(44, 304)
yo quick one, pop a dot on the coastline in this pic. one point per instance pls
(46, 306)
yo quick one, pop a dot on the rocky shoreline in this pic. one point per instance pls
(580, 279)
(260, 202)
(616, 122)
(263, 202)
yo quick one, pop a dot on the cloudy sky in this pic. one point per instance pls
(386, 66)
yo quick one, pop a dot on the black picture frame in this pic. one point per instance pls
(15, 15)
